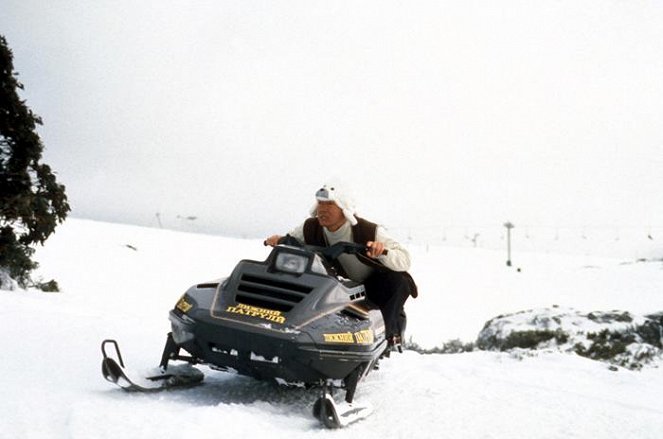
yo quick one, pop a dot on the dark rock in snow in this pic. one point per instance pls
(617, 337)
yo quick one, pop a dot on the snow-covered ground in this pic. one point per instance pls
(120, 281)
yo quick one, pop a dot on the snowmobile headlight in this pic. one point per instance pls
(291, 263)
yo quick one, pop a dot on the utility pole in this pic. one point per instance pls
(508, 226)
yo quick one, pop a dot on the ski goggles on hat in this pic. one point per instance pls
(326, 194)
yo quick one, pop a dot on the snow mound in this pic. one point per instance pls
(6, 282)
(619, 338)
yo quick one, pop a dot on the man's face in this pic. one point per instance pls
(330, 215)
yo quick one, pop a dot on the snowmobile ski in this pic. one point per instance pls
(332, 414)
(181, 375)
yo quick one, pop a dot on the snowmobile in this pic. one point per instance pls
(289, 318)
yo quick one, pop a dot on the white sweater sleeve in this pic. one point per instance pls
(397, 258)
(298, 232)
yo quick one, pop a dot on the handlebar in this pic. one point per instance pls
(331, 252)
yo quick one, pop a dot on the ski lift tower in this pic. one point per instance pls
(508, 226)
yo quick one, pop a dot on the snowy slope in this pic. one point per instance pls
(120, 281)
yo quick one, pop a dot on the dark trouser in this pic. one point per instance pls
(389, 290)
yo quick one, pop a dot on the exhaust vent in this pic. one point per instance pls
(269, 293)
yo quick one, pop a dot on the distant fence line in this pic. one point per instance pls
(623, 240)
(528, 230)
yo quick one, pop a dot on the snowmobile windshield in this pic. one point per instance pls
(317, 266)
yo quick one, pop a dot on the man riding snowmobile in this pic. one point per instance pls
(382, 270)
(305, 316)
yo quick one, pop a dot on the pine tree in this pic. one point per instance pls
(32, 202)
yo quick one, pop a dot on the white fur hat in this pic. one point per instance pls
(342, 199)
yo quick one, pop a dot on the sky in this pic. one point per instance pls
(433, 113)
